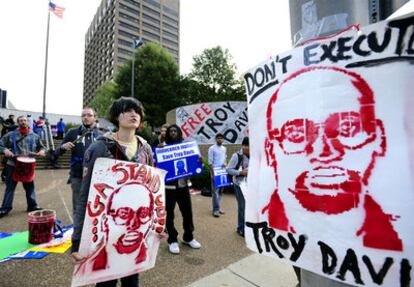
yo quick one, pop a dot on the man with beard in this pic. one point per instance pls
(323, 143)
(20, 142)
(77, 140)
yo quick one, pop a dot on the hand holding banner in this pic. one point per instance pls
(179, 160)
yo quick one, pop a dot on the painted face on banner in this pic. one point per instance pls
(129, 218)
(324, 138)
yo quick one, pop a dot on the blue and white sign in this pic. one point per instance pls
(221, 177)
(179, 160)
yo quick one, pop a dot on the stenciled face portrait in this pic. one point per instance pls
(129, 216)
(324, 141)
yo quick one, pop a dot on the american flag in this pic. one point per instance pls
(57, 10)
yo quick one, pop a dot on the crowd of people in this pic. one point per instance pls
(86, 143)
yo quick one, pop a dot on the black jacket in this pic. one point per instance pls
(90, 135)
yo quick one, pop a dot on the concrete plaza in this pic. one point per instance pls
(223, 259)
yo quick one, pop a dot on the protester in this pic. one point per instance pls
(38, 127)
(30, 122)
(238, 168)
(160, 139)
(127, 115)
(177, 192)
(9, 125)
(77, 140)
(21, 142)
(217, 155)
(60, 128)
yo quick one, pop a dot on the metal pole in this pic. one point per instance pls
(46, 57)
(133, 73)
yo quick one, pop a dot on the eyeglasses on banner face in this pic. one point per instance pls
(346, 129)
(124, 215)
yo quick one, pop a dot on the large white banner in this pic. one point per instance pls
(124, 221)
(202, 122)
(330, 186)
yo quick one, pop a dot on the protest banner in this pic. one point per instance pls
(179, 160)
(124, 221)
(221, 177)
(202, 122)
(330, 185)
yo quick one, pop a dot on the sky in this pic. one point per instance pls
(251, 30)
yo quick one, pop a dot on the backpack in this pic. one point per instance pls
(239, 163)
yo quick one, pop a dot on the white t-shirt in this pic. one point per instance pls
(217, 155)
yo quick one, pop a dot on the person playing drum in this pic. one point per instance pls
(19, 147)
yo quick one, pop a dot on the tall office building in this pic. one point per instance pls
(110, 37)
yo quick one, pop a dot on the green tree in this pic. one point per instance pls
(214, 71)
(156, 82)
(105, 95)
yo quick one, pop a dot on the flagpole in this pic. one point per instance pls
(46, 57)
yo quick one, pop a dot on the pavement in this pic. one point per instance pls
(223, 260)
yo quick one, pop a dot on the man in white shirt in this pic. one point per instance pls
(217, 158)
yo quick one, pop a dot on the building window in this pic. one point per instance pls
(153, 3)
(149, 18)
(151, 11)
(149, 26)
(172, 51)
(171, 35)
(125, 52)
(125, 16)
(151, 35)
(135, 3)
(126, 34)
(170, 11)
(125, 43)
(171, 20)
(169, 42)
(169, 27)
(130, 27)
(122, 60)
(129, 9)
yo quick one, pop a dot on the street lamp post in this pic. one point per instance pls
(135, 45)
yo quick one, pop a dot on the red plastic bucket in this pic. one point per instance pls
(41, 224)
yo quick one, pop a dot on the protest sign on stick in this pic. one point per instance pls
(331, 173)
(124, 221)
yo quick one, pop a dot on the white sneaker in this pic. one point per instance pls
(193, 244)
(174, 248)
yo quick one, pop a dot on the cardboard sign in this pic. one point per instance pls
(124, 221)
(179, 160)
(221, 177)
(331, 174)
(202, 122)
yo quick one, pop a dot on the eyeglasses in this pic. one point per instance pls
(348, 130)
(87, 115)
(124, 215)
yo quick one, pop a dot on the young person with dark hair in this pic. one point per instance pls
(238, 168)
(127, 115)
(177, 192)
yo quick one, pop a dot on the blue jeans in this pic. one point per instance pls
(241, 204)
(216, 198)
(11, 187)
